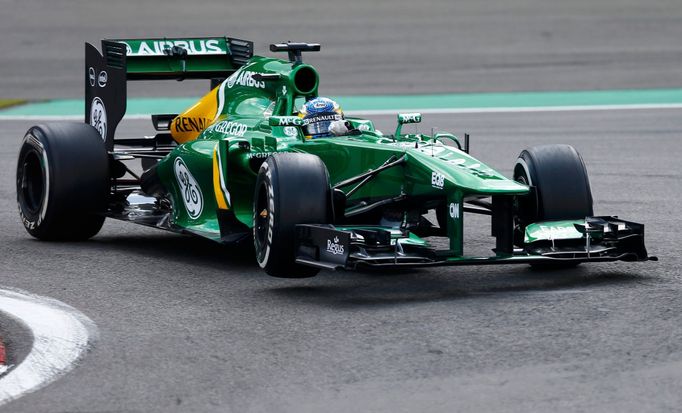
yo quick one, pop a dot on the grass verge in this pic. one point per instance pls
(5, 103)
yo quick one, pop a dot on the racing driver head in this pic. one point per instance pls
(322, 117)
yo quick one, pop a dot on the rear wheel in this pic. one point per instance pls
(562, 188)
(291, 188)
(62, 181)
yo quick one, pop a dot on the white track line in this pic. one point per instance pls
(61, 335)
(575, 108)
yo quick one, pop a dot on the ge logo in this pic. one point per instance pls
(98, 117)
(290, 131)
(189, 189)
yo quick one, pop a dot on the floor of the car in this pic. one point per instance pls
(141, 209)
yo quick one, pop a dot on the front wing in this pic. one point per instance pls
(596, 239)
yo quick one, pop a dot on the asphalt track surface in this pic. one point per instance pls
(368, 47)
(186, 325)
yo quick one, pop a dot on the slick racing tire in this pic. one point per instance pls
(561, 185)
(62, 181)
(562, 189)
(291, 188)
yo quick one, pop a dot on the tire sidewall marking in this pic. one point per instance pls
(37, 146)
(524, 165)
(270, 195)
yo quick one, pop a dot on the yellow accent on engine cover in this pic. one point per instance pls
(188, 125)
(219, 197)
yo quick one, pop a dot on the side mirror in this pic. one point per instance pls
(447, 139)
(285, 121)
(404, 118)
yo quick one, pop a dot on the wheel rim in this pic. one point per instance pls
(31, 184)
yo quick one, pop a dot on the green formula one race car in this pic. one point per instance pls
(241, 165)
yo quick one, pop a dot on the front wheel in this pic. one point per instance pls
(562, 189)
(291, 189)
(62, 181)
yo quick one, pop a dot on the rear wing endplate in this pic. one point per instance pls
(107, 73)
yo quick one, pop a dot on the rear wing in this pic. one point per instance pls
(107, 73)
(191, 58)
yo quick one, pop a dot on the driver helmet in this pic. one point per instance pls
(318, 114)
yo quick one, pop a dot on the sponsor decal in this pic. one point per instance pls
(409, 118)
(98, 117)
(284, 90)
(91, 76)
(363, 127)
(256, 159)
(189, 189)
(454, 210)
(287, 121)
(321, 118)
(102, 78)
(157, 47)
(245, 78)
(229, 128)
(437, 180)
(555, 232)
(333, 246)
(290, 131)
(190, 124)
(259, 155)
(319, 105)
